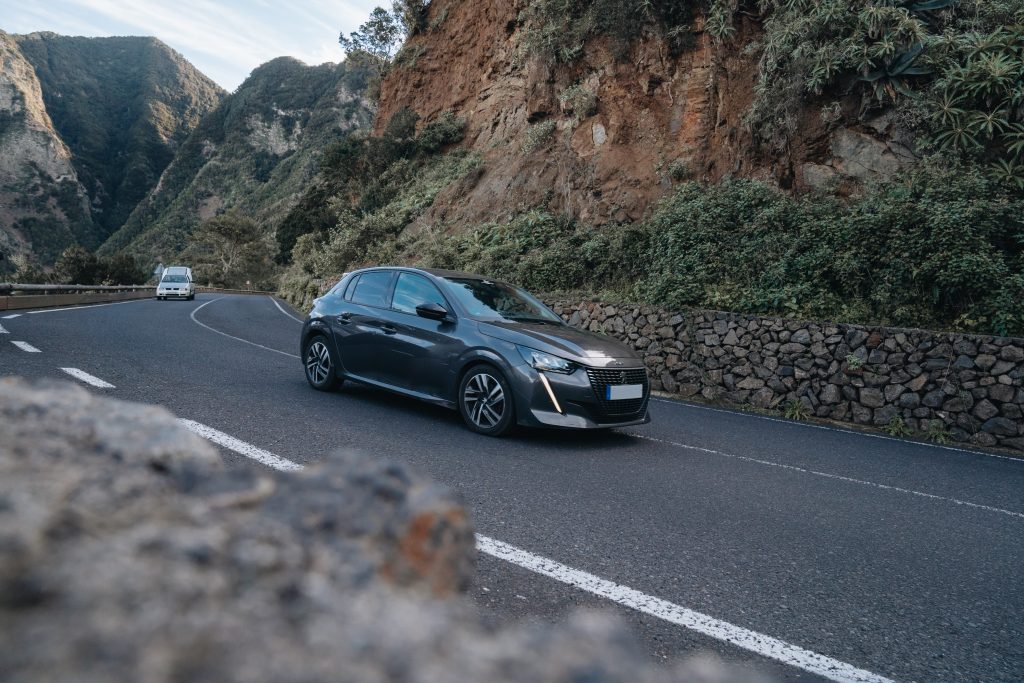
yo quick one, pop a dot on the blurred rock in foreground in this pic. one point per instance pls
(128, 553)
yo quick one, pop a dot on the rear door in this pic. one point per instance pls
(359, 328)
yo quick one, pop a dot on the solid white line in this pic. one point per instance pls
(26, 347)
(240, 447)
(840, 430)
(61, 309)
(3, 331)
(88, 379)
(827, 475)
(281, 308)
(225, 334)
(13, 315)
(752, 641)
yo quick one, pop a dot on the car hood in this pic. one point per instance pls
(566, 342)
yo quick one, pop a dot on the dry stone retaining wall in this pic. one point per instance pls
(967, 388)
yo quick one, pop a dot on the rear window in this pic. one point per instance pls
(372, 289)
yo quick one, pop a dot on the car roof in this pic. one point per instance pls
(436, 272)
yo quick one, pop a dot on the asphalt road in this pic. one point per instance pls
(902, 559)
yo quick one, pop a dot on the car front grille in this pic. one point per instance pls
(628, 409)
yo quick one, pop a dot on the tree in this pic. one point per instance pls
(122, 269)
(377, 41)
(231, 251)
(76, 266)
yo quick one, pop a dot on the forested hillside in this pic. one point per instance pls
(253, 156)
(116, 108)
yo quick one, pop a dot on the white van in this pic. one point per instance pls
(176, 283)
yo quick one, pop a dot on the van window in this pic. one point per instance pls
(174, 278)
(372, 289)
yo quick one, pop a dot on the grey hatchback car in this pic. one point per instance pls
(486, 348)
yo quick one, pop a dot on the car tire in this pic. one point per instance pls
(484, 408)
(319, 365)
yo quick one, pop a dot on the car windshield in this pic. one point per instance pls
(174, 278)
(496, 301)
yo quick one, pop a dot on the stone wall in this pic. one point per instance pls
(965, 388)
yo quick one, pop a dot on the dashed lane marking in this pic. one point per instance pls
(26, 347)
(743, 638)
(13, 315)
(827, 475)
(3, 331)
(88, 379)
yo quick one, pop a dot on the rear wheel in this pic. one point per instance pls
(485, 401)
(320, 369)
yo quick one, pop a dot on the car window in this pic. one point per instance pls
(497, 301)
(413, 290)
(371, 289)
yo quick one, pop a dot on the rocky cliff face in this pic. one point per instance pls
(123, 106)
(87, 125)
(603, 137)
(41, 199)
(255, 152)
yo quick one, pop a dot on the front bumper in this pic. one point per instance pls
(173, 294)
(577, 397)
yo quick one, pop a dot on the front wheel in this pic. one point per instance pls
(485, 401)
(320, 372)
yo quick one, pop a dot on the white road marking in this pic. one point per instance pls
(752, 641)
(281, 308)
(88, 379)
(61, 309)
(13, 315)
(827, 475)
(225, 334)
(3, 331)
(797, 423)
(240, 447)
(26, 347)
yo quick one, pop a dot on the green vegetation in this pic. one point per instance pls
(122, 105)
(378, 43)
(76, 266)
(954, 70)
(232, 251)
(256, 154)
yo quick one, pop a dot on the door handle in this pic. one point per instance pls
(345, 318)
(388, 329)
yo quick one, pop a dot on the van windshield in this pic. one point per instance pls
(174, 278)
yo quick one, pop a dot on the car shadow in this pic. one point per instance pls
(560, 439)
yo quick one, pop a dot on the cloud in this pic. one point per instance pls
(226, 39)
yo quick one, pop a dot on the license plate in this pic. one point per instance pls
(623, 392)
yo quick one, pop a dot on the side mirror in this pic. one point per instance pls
(432, 311)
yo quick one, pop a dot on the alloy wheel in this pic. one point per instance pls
(484, 400)
(318, 363)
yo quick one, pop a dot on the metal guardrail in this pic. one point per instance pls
(16, 296)
(11, 287)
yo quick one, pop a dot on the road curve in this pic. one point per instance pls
(897, 558)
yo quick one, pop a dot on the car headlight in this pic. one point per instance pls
(545, 361)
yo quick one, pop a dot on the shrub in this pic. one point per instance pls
(580, 100)
(537, 135)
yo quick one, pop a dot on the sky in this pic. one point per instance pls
(225, 39)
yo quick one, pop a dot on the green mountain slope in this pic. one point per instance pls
(42, 205)
(123, 106)
(254, 153)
